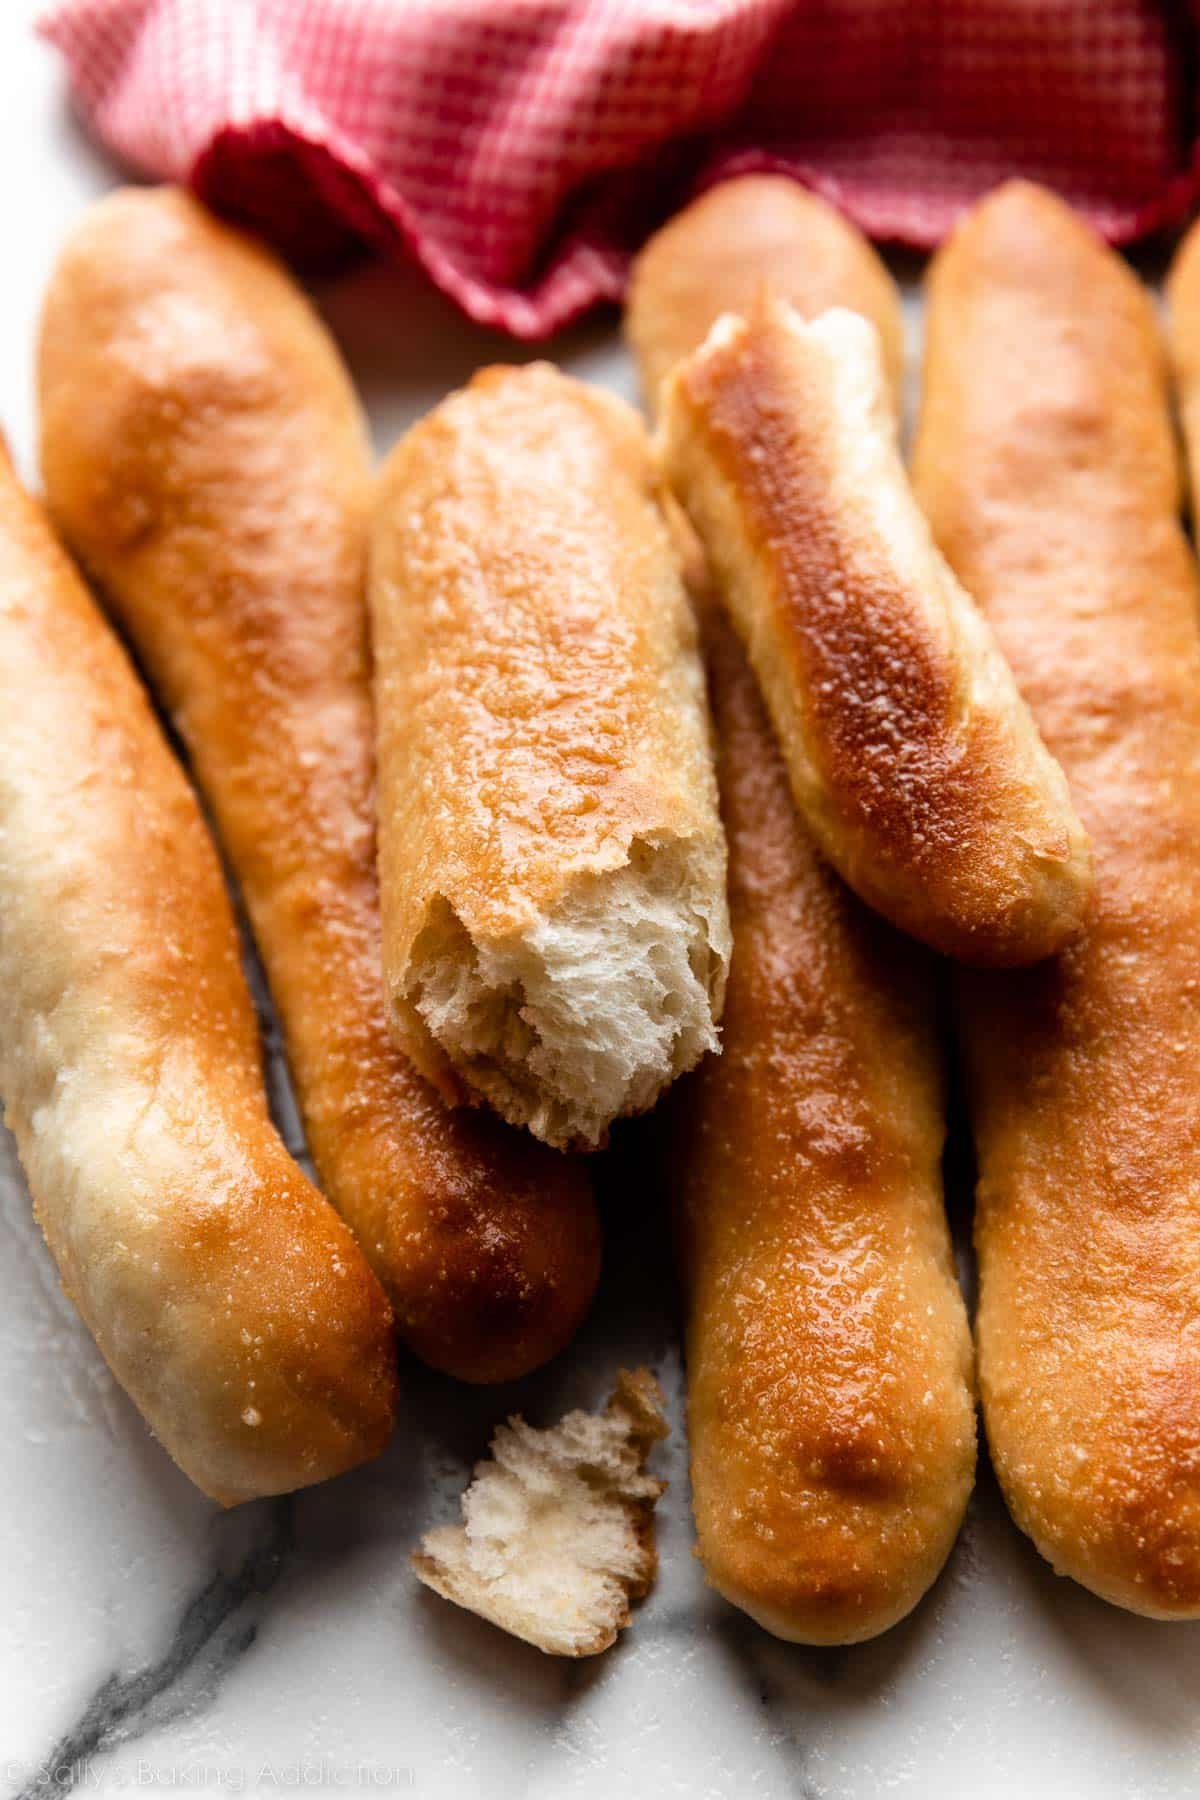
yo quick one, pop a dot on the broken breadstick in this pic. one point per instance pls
(558, 1527)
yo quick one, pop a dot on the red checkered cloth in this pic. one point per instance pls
(521, 148)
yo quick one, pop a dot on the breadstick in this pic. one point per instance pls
(912, 756)
(830, 1411)
(715, 255)
(1047, 466)
(1183, 304)
(227, 1297)
(552, 861)
(205, 456)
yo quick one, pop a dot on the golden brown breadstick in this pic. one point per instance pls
(205, 455)
(1046, 462)
(715, 255)
(551, 856)
(830, 1411)
(228, 1298)
(912, 756)
(1183, 305)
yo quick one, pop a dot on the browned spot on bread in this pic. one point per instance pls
(911, 754)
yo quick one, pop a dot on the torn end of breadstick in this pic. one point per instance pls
(551, 856)
(557, 1536)
(587, 1014)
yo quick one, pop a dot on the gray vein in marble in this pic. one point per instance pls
(216, 1628)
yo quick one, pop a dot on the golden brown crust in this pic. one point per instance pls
(227, 1296)
(1046, 462)
(539, 697)
(912, 756)
(204, 453)
(517, 532)
(830, 1410)
(1183, 307)
(715, 255)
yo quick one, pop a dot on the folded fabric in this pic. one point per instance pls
(521, 148)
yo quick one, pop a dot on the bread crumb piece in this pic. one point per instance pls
(558, 1527)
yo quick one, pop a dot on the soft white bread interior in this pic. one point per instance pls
(557, 1532)
(594, 1009)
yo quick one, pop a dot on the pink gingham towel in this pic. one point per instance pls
(520, 149)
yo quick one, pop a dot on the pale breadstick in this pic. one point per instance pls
(228, 1298)
(1047, 466)
(715, 255)
(205, 455)
(552, 861)
(830, 1412)
(912, 756)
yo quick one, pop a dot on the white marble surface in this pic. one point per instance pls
(152, 1644)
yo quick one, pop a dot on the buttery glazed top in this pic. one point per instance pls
(205, 456)
(228, 1297)
(829, 1367)
(715, 256)
(911, 754)
(539, 697)
(1047, 464)
(205, 453)
(1183, 301)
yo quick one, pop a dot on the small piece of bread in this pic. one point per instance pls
(912, 756)
(552, 862)
(558, 1531)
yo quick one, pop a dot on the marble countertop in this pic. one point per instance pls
(152, 1643)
